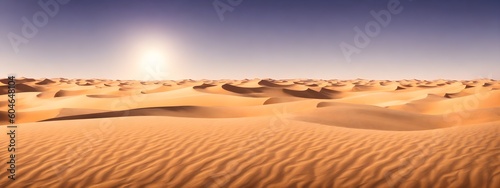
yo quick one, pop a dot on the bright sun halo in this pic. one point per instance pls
(153, 58)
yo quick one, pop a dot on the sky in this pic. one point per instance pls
(237, 39)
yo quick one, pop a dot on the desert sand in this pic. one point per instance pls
(254, 133)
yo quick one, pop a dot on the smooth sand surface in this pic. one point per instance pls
(255, 133)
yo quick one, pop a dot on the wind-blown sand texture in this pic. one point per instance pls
(255, 133)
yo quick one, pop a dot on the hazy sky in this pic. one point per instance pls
(126, 39)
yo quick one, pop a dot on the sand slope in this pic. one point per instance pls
(255, 133)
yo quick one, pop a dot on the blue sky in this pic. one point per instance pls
(255, 39)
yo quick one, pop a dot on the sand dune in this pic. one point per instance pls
(255, 133)
(47, 82)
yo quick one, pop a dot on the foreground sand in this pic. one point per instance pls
(255, 133)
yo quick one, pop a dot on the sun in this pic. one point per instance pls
(153, 58)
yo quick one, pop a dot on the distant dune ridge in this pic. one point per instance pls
(255, 133)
